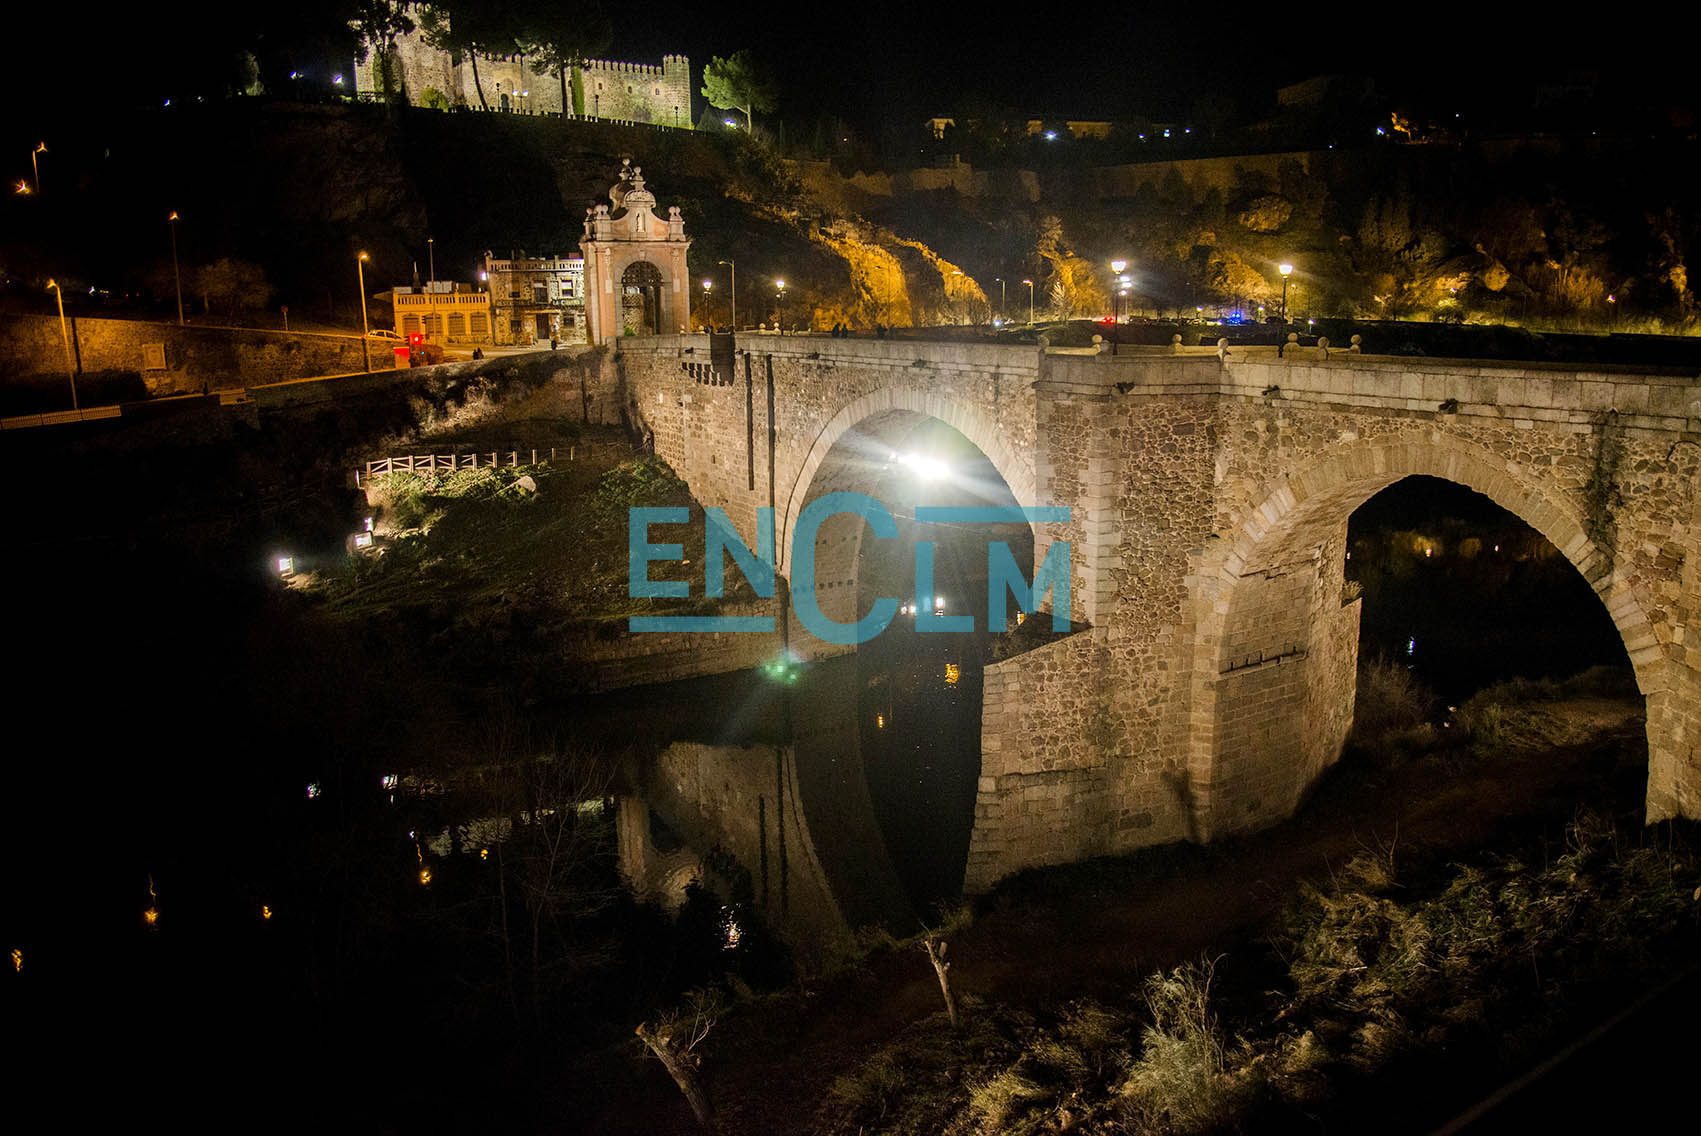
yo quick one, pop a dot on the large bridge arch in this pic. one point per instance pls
(1276, 650)
(892, 404)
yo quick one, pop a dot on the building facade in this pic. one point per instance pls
(443, 311)
(601, 88)
(635, 271)
(536, 299)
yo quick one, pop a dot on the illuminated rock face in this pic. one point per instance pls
(635, 272)
(1208, 507)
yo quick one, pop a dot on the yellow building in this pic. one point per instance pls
(444, 312)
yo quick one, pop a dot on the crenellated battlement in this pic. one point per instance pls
(619, 90)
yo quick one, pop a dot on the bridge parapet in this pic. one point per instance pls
(1667, 400)
(973, 358)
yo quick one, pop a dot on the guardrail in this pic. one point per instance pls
(425, 463)
(59, 417)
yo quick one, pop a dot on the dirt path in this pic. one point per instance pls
(1096, 930)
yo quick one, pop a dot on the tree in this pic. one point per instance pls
(378, 23)
(228, 284)
(739, 83)
(559, 38)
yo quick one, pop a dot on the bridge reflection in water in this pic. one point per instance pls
(841, 793)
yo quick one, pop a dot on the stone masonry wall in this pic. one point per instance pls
(220, 358)
(631, 660)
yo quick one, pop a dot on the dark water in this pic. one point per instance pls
(1467, 595)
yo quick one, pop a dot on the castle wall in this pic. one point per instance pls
(627, 92)
(638, 92)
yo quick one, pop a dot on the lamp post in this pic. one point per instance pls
(365, 344)
(1286, 270)
(431, 254)
(1116, 267)
(780, 306)
(176, 276)
(1001, 307)
(707, 285)
(35, 170)
(734, 290)
(1030, 285)
(64, 334)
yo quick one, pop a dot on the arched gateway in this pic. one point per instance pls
(1208, 499)
(635, 270)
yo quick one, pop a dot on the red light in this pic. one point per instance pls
(416, 339)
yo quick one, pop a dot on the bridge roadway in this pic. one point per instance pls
(1209, 499)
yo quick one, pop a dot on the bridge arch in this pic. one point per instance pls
(889, 405)
(1276, 650)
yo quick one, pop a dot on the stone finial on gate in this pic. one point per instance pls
(1323, 346)
(1357, 344)
(1222, 350)
(1175, 344)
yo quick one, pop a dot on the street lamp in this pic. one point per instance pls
(176, 276)
(707, 285)
(431, 253)
(1001, 308)
(64, 334)
(780, 306)
(35, 170)
(365, 344)
(1030, 285)
(1116, 267)
(1286, 270)
(734, 287)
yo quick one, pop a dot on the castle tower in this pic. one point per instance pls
(635, 274)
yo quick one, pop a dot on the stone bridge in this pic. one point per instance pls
(1209, 500)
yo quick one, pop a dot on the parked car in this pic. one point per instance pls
(383, 333)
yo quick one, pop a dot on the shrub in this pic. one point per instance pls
(1390, 700)
(1180, 1081)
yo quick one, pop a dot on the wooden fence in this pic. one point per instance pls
(425, 463)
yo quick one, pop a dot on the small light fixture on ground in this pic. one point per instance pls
(286, 565)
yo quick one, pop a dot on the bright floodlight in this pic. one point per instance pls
(730, 122)
(930, 469)
(1117, 266)
(1285, 269)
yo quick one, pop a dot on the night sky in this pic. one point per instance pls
(873, 61)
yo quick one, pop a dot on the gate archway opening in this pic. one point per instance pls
(640, 299)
